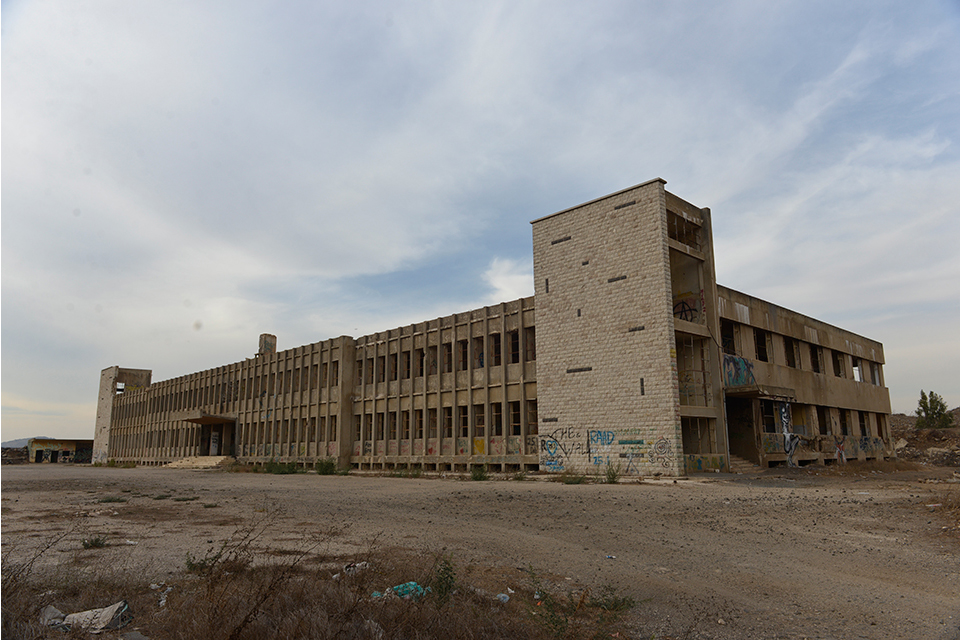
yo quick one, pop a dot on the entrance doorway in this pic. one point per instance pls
(741, 430)
(217, 439)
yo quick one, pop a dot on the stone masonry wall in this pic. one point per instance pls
(606, 370)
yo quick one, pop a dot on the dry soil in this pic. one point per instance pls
(780, 554)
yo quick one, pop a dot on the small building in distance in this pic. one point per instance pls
(629, 356)
(60, 450)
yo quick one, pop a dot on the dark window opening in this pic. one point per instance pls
(447, 357)
(495, 350)
(768, 416)
(816, 358)
(728, 337)
(761, 340)
(514, 338)
(790, 351)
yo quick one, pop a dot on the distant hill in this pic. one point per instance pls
(17, 444)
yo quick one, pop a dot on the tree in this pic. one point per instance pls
(932, 412)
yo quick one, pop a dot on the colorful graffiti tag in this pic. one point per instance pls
(737, 372)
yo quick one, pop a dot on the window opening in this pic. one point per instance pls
(816, 358)
(462, 355)
(463, 418)
(727, 337)
(857, 371)
(448, 422)
(515, 418)
(496, 419)
(530, 344)
(767, 416)
(514, 339)
(478, 421)
(791, 352)
(761, 340)
(478, 353)
(824, 421)
(447, 357)
(838, 364)
(494, 349)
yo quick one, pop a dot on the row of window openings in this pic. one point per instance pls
(387, 426)
(791, 348)
(433, 360)
(228, 391)
(848, 427)
(291, 431)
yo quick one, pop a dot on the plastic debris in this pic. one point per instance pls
(115, 616)
(611, 557)
(130, 542)
(504, 598)
(406, 591)
(352, 569)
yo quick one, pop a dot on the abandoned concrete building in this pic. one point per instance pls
(630, 355)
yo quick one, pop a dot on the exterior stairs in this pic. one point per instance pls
(200, 462)
(740, 465)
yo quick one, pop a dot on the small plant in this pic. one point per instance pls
(112, 499)
(411, 472)
(97, 542)
(210, 505)
(281, 468)
(479, 473)
(326, 467)
(520, 476)
(162, 496)
(444, 581)
(185, 499)
(611, 474)
(129, 464)
(569, 477)
(610, 600)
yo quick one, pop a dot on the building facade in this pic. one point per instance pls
(631, 357)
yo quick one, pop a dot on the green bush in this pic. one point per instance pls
(479, 473)
(281, 468)
(97, 542)
(612, 474)
(932, 412)
(326, 467)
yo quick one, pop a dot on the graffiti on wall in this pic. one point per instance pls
(600, 446)
(557, 446)
(737, 372)
(841, 453)
(702, 462)
(688, 306)
(663, 452)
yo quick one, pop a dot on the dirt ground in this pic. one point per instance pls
(788, 553)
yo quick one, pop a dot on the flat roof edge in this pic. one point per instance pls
(609, 195)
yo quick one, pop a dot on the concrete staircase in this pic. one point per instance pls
(740, 465)
(200, 462)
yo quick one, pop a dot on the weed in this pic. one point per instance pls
(162, 496)
(569, 477)
(210, 505)
(281, 468)
(110, 499)
(444, 581)
(326, 467)
(411, 472)
(520, 476)
(611, 474)
(96, 542)
(185, 499)
(479, 473)
(610, 600)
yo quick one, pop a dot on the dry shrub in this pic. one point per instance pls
(239, 590)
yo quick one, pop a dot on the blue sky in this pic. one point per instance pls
(178, 177)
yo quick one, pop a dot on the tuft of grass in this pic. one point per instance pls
(611, 474)
(210, 505)
(162, 496)
(479, 473)
(109, 499)
(281, 468)
(186, 499)
(96, 542)
(411, 472)
(569, 477)
(326, 467)
(520, 476)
